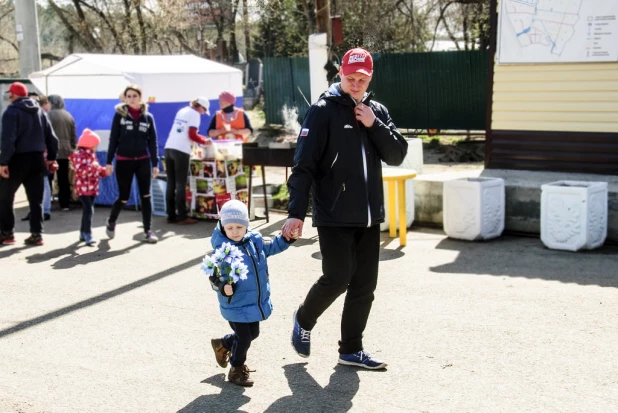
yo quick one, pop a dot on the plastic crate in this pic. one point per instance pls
(157, 196)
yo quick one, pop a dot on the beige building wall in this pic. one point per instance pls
(556, 97)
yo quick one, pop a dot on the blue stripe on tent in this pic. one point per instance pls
(98, 114)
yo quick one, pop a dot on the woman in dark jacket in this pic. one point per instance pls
(133, 142)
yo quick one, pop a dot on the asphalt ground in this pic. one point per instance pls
(499, 326)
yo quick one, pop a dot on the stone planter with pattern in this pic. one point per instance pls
(473, 208)
(573, 215)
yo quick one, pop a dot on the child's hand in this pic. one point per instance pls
(228, 290)
(95, 164)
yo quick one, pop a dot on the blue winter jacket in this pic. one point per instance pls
(251, 299)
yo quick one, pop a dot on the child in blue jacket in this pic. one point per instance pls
(247, 302)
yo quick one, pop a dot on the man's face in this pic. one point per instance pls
(12, 97)
(201, 109)
(355, 84)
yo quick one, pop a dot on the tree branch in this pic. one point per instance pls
(74, 34)
(110, 26)
(10, 42)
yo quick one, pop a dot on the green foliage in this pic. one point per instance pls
(282, 30)
(281, 197)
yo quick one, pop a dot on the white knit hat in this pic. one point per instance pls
(234, 212)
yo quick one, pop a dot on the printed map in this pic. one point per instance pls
(538, 31)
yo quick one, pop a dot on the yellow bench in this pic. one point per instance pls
(397, 176)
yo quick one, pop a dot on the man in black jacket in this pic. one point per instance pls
(26, 135)
(343, 140)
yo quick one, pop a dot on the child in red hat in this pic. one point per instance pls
(87, 174)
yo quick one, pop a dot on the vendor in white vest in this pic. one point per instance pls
(229, 122)
(177, 156)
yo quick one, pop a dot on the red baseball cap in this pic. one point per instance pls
(18, 89)
(357, 60)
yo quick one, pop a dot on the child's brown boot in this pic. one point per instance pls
(240, 376)
(221, 353)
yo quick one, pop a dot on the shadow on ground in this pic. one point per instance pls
(99, 298)
(307, 394)
(503, 257)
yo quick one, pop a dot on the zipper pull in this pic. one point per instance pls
(344, 187)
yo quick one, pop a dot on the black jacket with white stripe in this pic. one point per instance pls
(339, 160)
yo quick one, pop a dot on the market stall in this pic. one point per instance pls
(216, 175)
(91, 84)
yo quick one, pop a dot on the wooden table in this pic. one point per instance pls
(397, 176)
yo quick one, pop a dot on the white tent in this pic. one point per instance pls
(91, 84)
(165, 78)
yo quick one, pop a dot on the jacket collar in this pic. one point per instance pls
(335, 94)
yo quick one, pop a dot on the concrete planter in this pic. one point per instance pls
(573, 215)
(473, 208)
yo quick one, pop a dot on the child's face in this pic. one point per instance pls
(235, 232)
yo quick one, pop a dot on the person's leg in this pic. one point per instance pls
(359, 298)
(144, 180)
(87, 212)
(170, 193)
(46, 196)
(64, 187)
(336, 247)
(182, 173)
(124, 178)
(242, 341)
(228, 340)
(8, 186)
(255, 330)
(239, 373)
(33, 184)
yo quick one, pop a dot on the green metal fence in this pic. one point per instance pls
(286, 80)
(440, 90)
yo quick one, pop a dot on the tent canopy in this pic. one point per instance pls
(172, 78)
(91, 85)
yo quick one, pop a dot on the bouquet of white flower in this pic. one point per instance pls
(224, 266)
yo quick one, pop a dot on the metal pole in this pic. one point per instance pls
(27, 28)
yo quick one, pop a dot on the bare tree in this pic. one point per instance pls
(7, 13)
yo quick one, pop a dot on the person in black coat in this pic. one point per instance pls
(26, 136)
(343, 140)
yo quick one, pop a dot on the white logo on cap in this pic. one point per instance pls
(356, 58)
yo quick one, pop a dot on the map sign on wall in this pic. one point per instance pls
(558, 31)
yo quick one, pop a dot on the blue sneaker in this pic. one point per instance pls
(301, 339)
(361, 359)
(82, 238)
